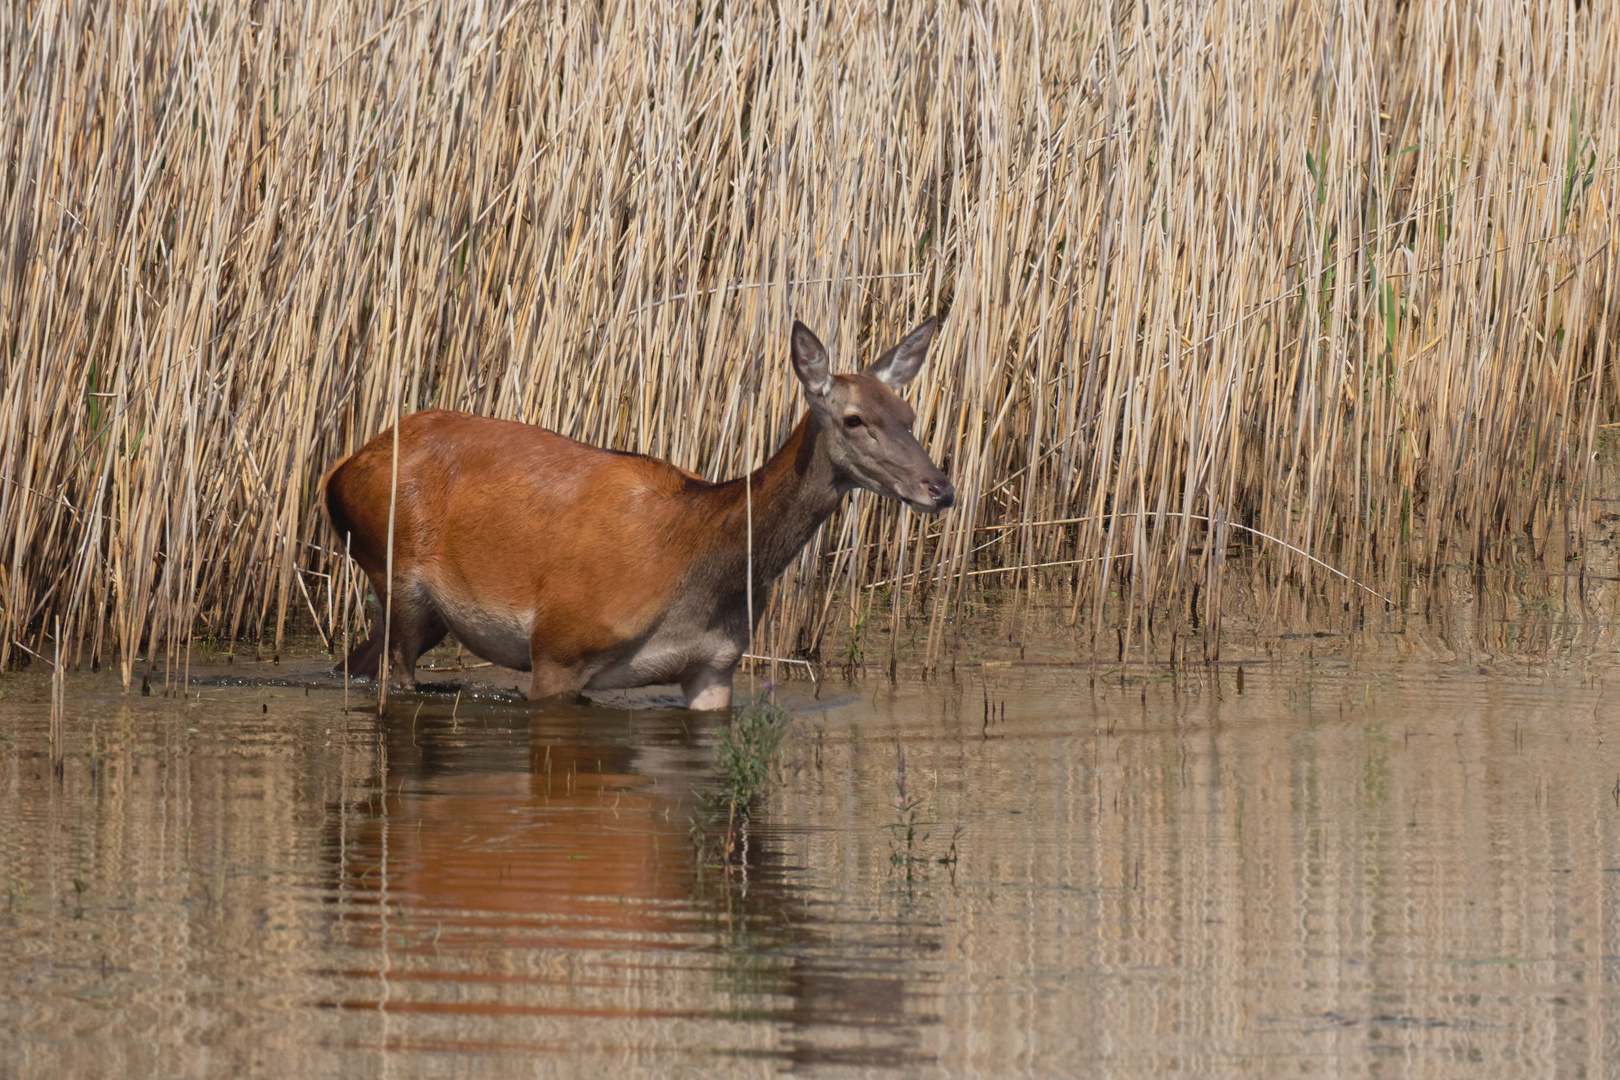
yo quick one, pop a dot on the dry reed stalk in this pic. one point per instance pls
(1341, 274)
(58, 703)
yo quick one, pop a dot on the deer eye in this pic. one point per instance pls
(852, 421)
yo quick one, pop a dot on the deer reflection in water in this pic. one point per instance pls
(551, 833)
(528, 872)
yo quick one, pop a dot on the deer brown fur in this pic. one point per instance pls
(595, 569)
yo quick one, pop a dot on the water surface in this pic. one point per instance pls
(1368, 866)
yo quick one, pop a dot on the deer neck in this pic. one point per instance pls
(786, 499)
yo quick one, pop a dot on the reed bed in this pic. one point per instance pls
(1335, 280)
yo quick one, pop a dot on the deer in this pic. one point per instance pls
(597, 569)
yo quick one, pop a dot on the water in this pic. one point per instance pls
(1374, 866)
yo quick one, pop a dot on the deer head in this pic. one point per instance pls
(867, 424)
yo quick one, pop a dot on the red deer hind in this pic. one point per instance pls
(599, 570)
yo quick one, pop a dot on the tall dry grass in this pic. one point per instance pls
(1334, 278)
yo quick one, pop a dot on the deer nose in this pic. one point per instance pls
(943, 494)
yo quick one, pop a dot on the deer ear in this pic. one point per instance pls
(900, 364)
(810, 362)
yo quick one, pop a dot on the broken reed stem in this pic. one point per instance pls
(1258, 534)
(1342, 274)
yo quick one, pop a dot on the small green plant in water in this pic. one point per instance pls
(906, 840)
(855, 647)
(744, 757)
(746, 751)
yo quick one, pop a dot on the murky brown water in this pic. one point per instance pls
(1350, 867)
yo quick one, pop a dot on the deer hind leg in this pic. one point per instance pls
(414, 628)
(365, 659)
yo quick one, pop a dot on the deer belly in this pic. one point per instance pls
(499, 634)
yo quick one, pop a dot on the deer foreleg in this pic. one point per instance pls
(708, 689)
